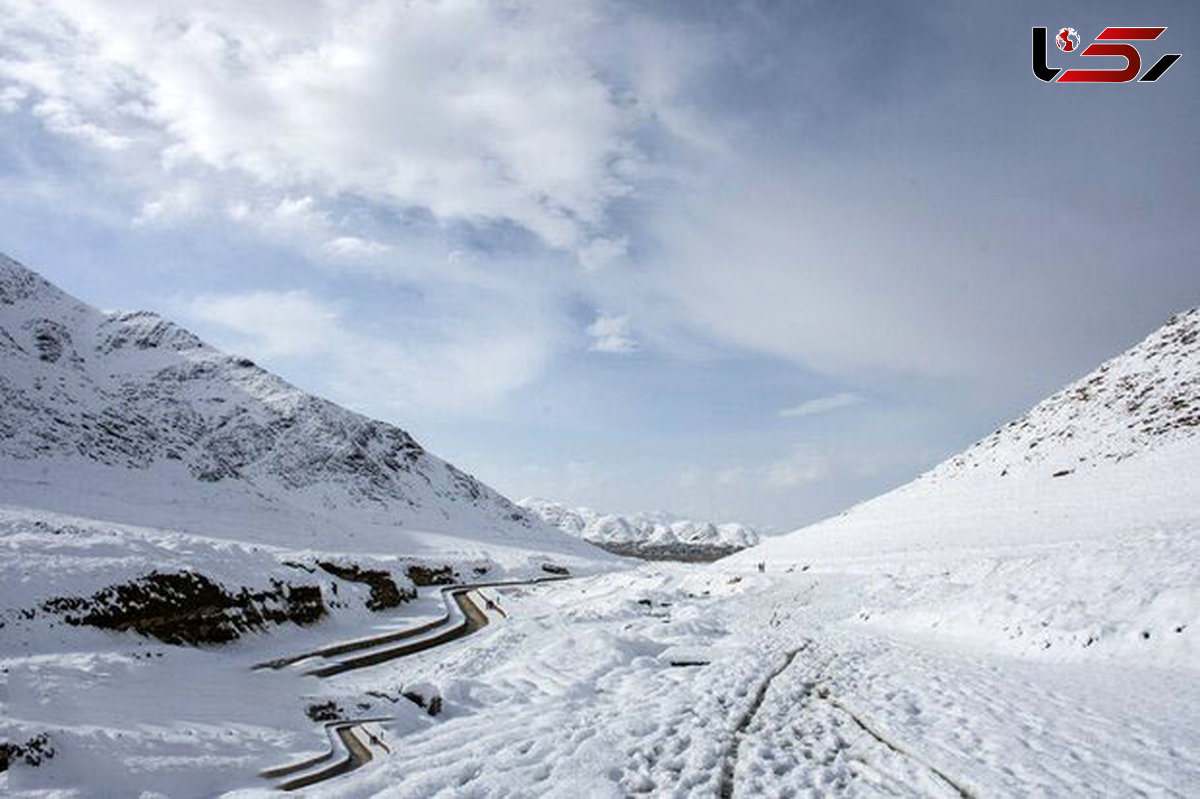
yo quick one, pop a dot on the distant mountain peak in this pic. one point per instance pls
(659, 534)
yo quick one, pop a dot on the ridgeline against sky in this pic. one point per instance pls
(743, 261)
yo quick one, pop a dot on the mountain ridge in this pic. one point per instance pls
(1145, 396)
(1087, 462)
(1071, 533)
(655, 536)
(142, 417)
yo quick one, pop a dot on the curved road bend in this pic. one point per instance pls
(342, 733)
(473, 619)
(378, 640)
(341, 736)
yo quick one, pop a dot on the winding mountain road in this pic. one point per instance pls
(462, 618)
(343, 736)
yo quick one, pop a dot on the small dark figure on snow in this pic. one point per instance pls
(378, 742)
(495, 605)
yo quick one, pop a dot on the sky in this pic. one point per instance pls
(742, 261)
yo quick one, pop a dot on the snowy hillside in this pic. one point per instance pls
(1140, 401)
(129, 418)
(1073, 531)
(1020, 621)
(161, 503)
(658, 536)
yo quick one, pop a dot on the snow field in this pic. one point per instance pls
(571, 697)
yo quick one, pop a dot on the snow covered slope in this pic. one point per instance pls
(1116, 448)
(1075, 528)
(654, 535)
(1140, 401)
(129, 418)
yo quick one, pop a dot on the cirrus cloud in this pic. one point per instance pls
(819, 405)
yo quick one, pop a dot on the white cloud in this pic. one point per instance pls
(277, 324)
(173, 203)
(462, 369)
(611, 334)
(63, 118)
(600, 252)
(356, 248)
(822, 405)
(296, 214)
(473, 110)
(11, 98)
(548, 113)
(794, 471)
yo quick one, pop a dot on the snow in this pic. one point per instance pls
(129, 447)
(573, 693)
(128, 418)
(999, 548)
(573, 696)
(659, 528)
(989, 629)
(1020, 621)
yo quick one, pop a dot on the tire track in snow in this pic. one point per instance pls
(821, 692)
(739, 732)
(959, 788)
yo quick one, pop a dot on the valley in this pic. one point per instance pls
(359, 618)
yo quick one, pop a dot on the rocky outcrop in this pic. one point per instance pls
(384, 591)
(189, 608)
(33, 752)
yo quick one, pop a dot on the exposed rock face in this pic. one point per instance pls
(33, 752)
(685, 553)
(384, 591)
(189, 608)
(423, 576)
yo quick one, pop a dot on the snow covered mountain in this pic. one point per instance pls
(129, 418)
(1140, 401)
(655, 536)
(1116, 447)
(160, 503)
(1075, 527)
